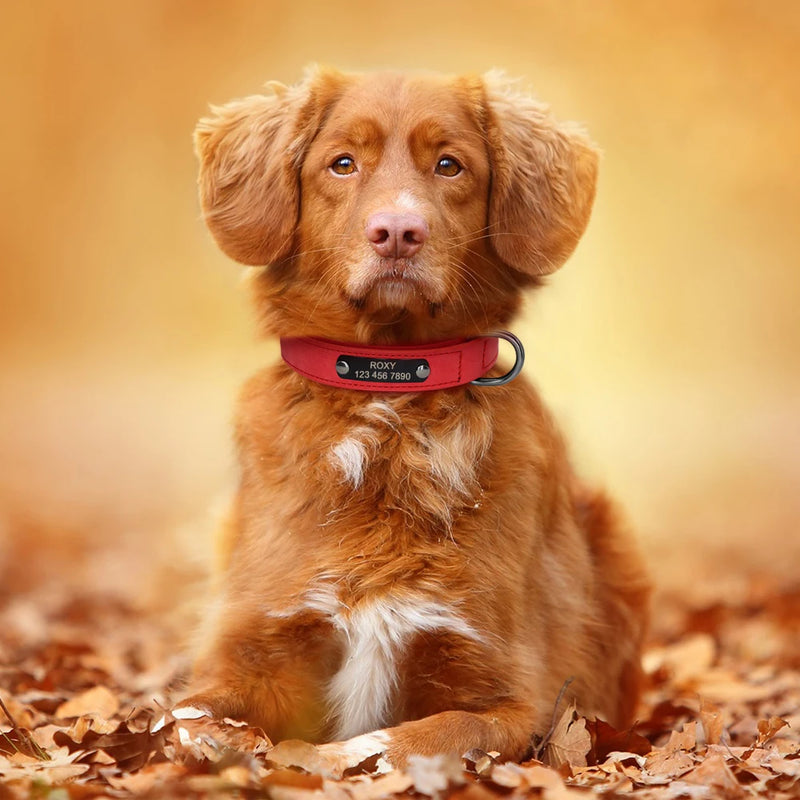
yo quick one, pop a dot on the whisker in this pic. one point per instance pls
(302, 253)
(324, 282)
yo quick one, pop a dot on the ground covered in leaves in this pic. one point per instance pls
(84, 686)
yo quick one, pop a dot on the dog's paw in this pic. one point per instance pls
(215, 704)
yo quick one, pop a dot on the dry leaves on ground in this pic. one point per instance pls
(84, 685)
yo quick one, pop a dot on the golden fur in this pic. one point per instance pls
(423, 563)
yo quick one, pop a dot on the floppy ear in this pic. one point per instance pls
(250, 152)
(543, 181)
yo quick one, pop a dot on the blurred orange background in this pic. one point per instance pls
(669, 346)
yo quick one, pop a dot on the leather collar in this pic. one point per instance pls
(393, 368)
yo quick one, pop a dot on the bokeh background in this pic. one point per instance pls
(668, 346)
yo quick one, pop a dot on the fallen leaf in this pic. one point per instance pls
(622, 757)
(684, 739)
(147, 778)
(685, 659)
(130, 750)
(726, 686)
(46, 702)
(44, 735)
(59, 767)
(711, 720)
(432, 775)
(767, 728)
(91, 723)
(387, 785)
(570, 742)
(606, 739)
(479, 762)
(714, 771)
(666, 715)
(97, 700)
(224, 734)
(61, 773)
(356, 753)
(297, 754)
(669, 763)
(292, 778)
(540, 777)
(20, 740)
(505, 775)
(784, 766)
(237, 775)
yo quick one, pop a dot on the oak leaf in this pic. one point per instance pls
(607, 739)
(767, 728)
(570, 741)
(21, 740)
(131, 750)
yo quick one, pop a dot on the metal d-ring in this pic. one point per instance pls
(519, 350)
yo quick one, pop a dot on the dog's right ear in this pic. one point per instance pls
(250, 153)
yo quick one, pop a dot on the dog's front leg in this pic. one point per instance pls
(506, 729)
(269, 672)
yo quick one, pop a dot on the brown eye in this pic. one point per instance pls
(448, 167)
(344, 165)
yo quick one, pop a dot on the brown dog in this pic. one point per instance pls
(412, 561)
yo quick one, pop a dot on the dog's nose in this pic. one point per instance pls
(395, 235)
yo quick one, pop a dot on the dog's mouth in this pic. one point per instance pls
(394, 283)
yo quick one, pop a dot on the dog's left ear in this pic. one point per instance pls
(543, 180)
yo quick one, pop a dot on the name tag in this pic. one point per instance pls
(373, 370)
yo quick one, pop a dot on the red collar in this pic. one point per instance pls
(396, 368)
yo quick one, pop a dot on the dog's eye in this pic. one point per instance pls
(448, 167)
(344, 165)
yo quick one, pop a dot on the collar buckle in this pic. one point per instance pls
(519, 352)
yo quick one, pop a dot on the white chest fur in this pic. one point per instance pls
(375, 635)
(439, 457)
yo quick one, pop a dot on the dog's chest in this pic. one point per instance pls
(374, 635)
(388, 484)
(427, 466)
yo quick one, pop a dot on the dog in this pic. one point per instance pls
(411, 564)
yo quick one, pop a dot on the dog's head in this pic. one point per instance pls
(391, 207)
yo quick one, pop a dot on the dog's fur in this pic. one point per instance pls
(420, 565)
